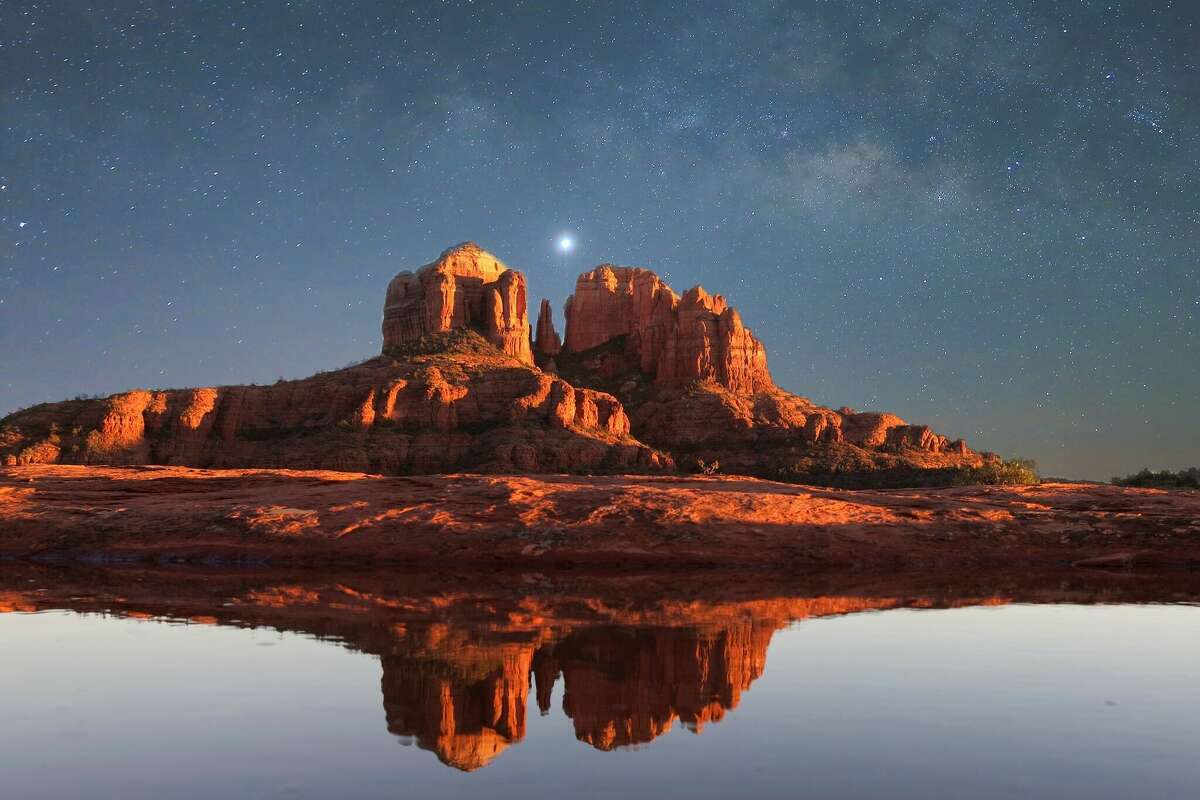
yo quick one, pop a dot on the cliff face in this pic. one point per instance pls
(673, 340)
(466, 287)
(424, 413)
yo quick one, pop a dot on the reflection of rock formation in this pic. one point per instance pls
(626, 687)
(466, 710)
(465, 699)
(461, 653)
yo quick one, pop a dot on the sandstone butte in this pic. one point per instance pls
(644, 380)
(461, 653)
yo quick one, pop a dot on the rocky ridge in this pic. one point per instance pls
(422, 413)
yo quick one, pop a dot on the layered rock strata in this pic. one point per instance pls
(675, 340)
(466, 287)
(424, 414)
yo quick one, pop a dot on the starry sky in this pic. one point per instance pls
(981, 215)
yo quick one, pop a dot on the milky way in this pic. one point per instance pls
(984, 216)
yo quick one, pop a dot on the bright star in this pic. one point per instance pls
(566, 243)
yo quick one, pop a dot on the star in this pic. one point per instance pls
(566, 243)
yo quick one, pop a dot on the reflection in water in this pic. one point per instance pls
(460, 656)
(465, 698)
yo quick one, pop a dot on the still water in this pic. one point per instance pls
(154, 685)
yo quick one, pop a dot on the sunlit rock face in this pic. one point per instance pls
(695, 381)
(546, 344)
(466, 287)
(464, 394)
(644, 379)
(674, 339)
(426, 414)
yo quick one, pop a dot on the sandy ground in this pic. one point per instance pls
(65, 513)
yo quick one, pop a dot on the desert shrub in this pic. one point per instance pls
(1163, 479)
(1016, 472)
(707, 468)
(1013, 472)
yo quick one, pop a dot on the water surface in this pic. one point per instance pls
(152, 685)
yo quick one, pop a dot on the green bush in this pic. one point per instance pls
(1013, 472)
(1163, 479)
(1016, 472)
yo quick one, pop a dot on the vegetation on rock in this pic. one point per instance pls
(844, 473)
(456, 342)
(1163, 479)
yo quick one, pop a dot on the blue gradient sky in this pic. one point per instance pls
(983, 216)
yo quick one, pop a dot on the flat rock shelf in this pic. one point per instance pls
(81, 513)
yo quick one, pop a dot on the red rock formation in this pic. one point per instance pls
(466, 287)
(675, 340)
(613, 301)
(441, 398)
(772, 433)
(709, 343)
(711, 396)
(547, 344)
(426, 414)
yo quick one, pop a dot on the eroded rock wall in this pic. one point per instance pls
(676, 340)
(466, 287)
(427, 415)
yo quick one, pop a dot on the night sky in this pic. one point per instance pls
(984, 216)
